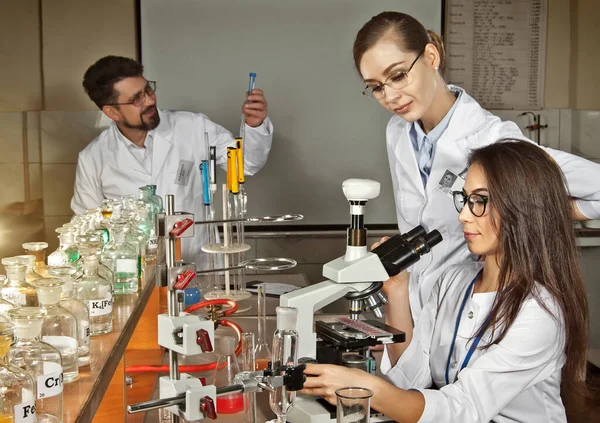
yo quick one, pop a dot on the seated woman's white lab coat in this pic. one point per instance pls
(516, 380)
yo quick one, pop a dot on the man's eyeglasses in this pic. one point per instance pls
(396, 81)
(476, 202)
(139, 98)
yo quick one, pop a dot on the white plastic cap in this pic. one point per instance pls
(286, 318)
(361, 189)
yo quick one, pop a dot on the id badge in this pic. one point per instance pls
(184, 170)
(450, 181)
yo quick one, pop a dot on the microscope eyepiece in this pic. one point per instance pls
(402, 251)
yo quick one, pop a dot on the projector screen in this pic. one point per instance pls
(325, 131)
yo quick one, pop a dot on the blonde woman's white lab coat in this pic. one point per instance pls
(515, 380)
(106, 168)
(470, 127)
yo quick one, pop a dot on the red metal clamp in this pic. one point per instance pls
(208, 407)
(180, 227)
(203, 339)
(183, 279)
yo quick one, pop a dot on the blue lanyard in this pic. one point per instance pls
(475, 340)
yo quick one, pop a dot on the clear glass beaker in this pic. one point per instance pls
(227, 368)
(353, 405)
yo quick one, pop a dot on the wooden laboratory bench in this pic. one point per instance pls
(99, 393)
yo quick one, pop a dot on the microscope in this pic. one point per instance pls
(358, 276)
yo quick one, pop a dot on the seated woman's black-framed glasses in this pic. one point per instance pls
(140, 97)
(476, 202)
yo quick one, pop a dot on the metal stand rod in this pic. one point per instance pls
(172, 296)
(176, 400)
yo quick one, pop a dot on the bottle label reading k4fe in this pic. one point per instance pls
(100, 307)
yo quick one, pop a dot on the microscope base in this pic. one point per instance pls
(307, 409)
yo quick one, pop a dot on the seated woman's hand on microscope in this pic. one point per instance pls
(327, 378)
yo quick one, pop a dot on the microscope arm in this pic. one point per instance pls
(309, 300)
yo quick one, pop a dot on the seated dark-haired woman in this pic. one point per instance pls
(496, 338)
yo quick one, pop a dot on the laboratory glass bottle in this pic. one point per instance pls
(37, 249)
(60, 326)
(17, 387)
(227, 368)
(97, 294)
(29, 261)
(78, 309)
(285, 353)
(122, 259)
(4, 305)
(16, 290)
(41, 360)
(66, 253)
(262, 352)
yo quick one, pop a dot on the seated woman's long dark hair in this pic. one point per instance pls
(532, 215)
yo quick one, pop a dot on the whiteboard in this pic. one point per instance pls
(201, 51)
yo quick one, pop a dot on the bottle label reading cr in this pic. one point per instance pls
(50, 384)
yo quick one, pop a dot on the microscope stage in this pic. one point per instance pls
(352, 334)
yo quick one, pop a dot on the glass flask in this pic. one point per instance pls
(148, 196)
(137, 237)
(41, 360)
(37, 249)
(16, 290)
(17, 399)
(60, 327)
(97, 294)
(353, 405)
(285, 353)
(227, 368)
(29, 261)
(122, 259)
(78, 309)
(66, 253)
(262, 352)
(4, 305)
